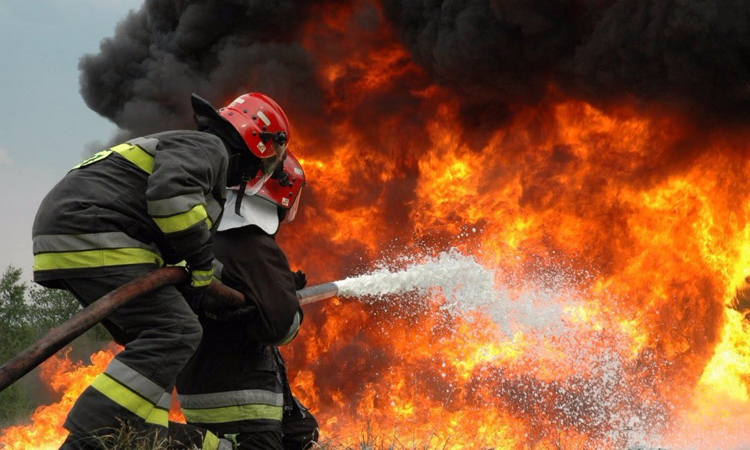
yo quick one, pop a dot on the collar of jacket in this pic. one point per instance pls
(208, 119)
(253, 211)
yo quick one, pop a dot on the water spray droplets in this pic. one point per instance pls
(561, 335)
(459, 278)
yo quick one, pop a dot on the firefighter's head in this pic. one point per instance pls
(256, 131)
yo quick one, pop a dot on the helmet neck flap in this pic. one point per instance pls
(253, 211)
(208, 120)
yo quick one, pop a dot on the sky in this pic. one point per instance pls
(45, 126)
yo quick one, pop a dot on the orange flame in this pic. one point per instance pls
(628, 227)
(67, 378)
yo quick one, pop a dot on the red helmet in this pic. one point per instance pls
(264, 127)
(285, 190)
(260, 121)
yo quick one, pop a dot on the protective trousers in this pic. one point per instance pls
(160, 333)
(188, 437)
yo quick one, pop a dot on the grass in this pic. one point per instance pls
(371, 440)
(127, 438)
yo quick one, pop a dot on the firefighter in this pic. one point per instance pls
(128, 210)
(235, 385)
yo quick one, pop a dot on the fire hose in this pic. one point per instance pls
(218, 296)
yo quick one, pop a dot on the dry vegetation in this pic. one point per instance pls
(127, 438)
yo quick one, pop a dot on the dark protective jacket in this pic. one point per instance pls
(233, 384)
(149, 201)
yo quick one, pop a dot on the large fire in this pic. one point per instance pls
(633, 220)
(67, 378)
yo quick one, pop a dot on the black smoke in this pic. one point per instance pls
(142, 78)
(495, 54)
(693, 55)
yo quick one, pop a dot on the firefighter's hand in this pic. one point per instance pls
(200, 266)
(200, 279)
(300, 279)
(243, 314)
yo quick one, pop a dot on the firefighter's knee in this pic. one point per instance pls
(192, 334)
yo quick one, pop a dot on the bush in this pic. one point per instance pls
(27, 313)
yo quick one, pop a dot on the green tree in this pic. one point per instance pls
(27, 313)
(15, 334)
(13, 308)
(49, 308)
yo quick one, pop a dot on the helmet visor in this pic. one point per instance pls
(270, 165)
(292, 213)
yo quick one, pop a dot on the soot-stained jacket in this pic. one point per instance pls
(149, 201)
(232, 383)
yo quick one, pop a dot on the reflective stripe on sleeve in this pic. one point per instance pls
(181, 221)
(95, 258)
(175, 205)
(130, 400)
(201, 277)
(218, 268)
(233, 413)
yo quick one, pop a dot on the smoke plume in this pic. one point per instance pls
(142, 77)
(495, 54)
(694, 55)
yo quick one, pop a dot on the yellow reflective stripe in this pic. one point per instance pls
(130, 400)
(48, 243)
(137, 156)
(233, 413)
(132, 153)
(201, 277)
(230, 398)
(158, 416)
(210, 441)
(95, 258)
(136, 382)
(181, 221)
(203, 274)
(94, 158)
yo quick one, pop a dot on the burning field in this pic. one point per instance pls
(571, 179)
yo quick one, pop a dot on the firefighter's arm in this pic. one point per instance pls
(273, 314)
(186, 169)
(300, 281)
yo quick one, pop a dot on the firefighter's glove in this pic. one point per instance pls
(300, 279)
